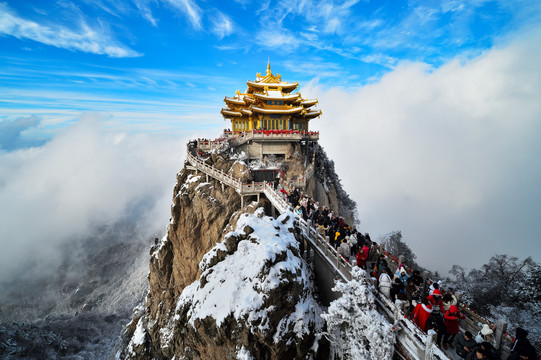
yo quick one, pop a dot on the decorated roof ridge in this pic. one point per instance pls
(270, 79)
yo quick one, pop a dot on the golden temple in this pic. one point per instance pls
(269, 104)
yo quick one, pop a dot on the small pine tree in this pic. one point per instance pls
(354, 327)
(394, 245)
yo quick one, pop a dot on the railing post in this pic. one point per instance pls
(396, 310)
(430, 337)
(501, 328)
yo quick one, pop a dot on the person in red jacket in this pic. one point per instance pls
(451, 325)
(360, 259)
(421, 313)
(362, 256)
(436, 299)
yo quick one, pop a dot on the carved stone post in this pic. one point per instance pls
(501, 328)
(397, 310)
(430, 340)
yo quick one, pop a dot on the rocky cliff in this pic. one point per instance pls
(229, 283)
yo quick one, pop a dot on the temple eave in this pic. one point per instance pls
(258, 84)
(312, 114)
(294, 110)
(308, 103)
(234, 101)
(229, 113)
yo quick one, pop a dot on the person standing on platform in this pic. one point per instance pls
(451, 317)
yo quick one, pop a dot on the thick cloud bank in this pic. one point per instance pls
(85, 177)
(449, 155)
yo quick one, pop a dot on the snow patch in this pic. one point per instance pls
(244, 354)
(237, 285)
(202, 185)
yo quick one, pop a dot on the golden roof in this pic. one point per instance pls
(269, 95)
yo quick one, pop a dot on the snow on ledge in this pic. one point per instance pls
(235, 285)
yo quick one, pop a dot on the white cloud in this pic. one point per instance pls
(85, 38)
(222, 25)
(447, 155)
(85, 176)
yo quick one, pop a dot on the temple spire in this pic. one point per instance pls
(268, 67)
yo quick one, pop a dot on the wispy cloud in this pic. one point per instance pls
(85, 38)
(144, 8)
(380, 59)
(190, 9)
(315, 68)
(277, 38)
(222, 25)
(331, 16)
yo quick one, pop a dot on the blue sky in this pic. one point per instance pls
(430, 110)
(174, 60)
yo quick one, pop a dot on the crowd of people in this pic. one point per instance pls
(432, 308)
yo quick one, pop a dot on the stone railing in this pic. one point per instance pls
(215, 173)
(276, 199)
(236, 139)
(223, 177)
(252, 188)
(219, 145)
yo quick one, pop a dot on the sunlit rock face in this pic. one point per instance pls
(228, 283)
